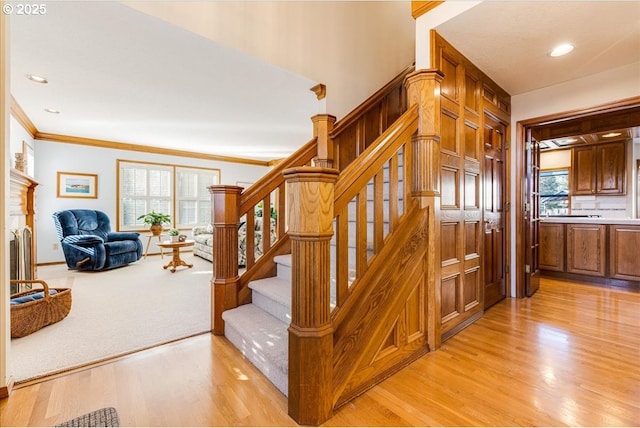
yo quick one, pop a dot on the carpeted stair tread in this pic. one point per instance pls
(284, 259)
(275, 288)
(262, 339)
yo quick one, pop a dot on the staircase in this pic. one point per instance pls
(260, 329)
(363, 301)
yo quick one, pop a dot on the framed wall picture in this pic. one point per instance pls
(77, 185)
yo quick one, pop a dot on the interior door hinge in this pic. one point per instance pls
(527, 269)
(506, 269)
(507, 207)
(507, 145)
(527, 207)
(527, 145)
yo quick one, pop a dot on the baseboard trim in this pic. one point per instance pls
(5, 391)
(464, 324)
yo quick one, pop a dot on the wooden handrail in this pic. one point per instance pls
(359, 172)
(363, 108)
(254, 194)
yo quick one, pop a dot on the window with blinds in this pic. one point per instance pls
(176, 190)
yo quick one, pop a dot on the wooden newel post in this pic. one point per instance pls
(310, 192)
(322, 127)
(225, 213)
(423, 89)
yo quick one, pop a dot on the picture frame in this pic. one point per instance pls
(29, 159)
(77, 185)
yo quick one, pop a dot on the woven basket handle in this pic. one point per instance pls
(45, 286)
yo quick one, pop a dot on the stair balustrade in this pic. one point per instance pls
(229, 205)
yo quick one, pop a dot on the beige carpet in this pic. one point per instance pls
(116, 312)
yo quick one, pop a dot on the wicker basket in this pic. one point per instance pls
(29, 317)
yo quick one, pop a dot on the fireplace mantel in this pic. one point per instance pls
(22, 207)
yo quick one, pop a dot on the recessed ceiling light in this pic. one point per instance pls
(562, 49)
(612, 134)
(52, 111)
(37, 79)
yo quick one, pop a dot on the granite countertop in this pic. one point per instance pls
(591, 220)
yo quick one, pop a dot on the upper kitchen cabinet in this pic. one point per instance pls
(599, 169)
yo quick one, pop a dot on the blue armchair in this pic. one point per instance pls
(89, 244)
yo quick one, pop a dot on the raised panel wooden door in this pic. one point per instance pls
(583, 161)
(611, 169)
(586, 249)
(493, 213)
(552, 246)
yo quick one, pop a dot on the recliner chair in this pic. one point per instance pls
(89, 244)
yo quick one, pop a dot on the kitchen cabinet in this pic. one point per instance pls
(599, 169)
(586, 249)
(624, 244)
(552, 247)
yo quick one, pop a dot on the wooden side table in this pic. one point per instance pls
(175, 247)
(149, 236)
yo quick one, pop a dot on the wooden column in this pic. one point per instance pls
(310, 213)
(225, 213)
(322, 127)
(423, 88)
(6, 382)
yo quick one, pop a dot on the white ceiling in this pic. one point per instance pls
(510, 40)
(119, 75)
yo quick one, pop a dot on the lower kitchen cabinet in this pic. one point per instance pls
(586, 249)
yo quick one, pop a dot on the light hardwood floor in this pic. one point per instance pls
(568, 356)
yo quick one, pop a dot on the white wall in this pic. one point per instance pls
(353, 47)
(17, 135)
(52, 157)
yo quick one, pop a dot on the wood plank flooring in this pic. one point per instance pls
(569, 355)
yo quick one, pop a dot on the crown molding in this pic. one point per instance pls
(22, 118)
(68, 139)
(419, 8)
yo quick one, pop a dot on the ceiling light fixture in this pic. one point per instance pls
(612, 134)
(562, 49)
(52, 111)
(569, 140)
(37, 79)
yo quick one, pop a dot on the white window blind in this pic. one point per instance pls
(193, 200)
(147, 186)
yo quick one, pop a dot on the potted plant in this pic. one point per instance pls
(174, 234)
(155, 221)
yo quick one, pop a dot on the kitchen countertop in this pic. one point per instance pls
(591, 220)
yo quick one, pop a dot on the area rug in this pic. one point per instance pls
(106, 417)
(114, 313)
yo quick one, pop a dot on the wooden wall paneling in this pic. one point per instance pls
(586, 249)
(624, 241)
(465, 93)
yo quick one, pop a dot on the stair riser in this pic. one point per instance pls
(270, 306)
(268, 368)
(284, 271)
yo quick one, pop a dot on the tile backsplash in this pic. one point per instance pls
(605, 206)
